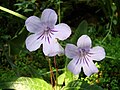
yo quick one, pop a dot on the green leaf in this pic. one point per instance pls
(81, 85)
(87, 86)
(81, 29)
(28, 10)
(115, 22)
(25, 83)
(69, 77)
(61, 79)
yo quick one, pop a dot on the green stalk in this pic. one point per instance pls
(110, 28)
(59, 18)
(13, 13)
(110, 57)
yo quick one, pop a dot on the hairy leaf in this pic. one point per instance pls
(25, 83)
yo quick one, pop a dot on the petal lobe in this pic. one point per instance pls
(63, 31)
(84, 42)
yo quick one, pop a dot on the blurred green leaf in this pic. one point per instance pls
(81, 29)
(25, 83)
(16, 44)
(114, 8)
(26, 6)
(115, 22)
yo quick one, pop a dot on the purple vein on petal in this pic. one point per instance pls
(88, 60)
(89, 55)
(45, 38)
(42, 35)
(85, 60)
(52, 33)
(48, 40)
(53, 30)
(50, 36)
(77, 61)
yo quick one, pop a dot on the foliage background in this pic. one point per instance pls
(102, 18)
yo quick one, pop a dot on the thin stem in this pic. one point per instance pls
(110, 57)
(50, 72)
(55, 64)
(9, 50)
(66, 62)
(109, 30)
(59, 18)
(12, 12)
(18, 33)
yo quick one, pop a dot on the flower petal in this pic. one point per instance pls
(71, 51)
(84, 42)
(32, 42)
(53, 48)
(33, 24)
(97, 53)
(75, 66)
(63, 31)
(49, 17)
(89, 67)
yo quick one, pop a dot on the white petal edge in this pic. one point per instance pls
(49, 17)
(32, 43)
(89, 67)
(53, 48)
(97, 53)
(63, 31)
(84, 42)
(34, 25)
(71, 51)
(75, 66)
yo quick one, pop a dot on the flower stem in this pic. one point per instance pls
(55, 64)
(51, 74)
(13, 13)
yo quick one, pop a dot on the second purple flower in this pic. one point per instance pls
(83, 55)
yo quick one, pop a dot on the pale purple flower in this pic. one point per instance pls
(46, 32)
(83, 55)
